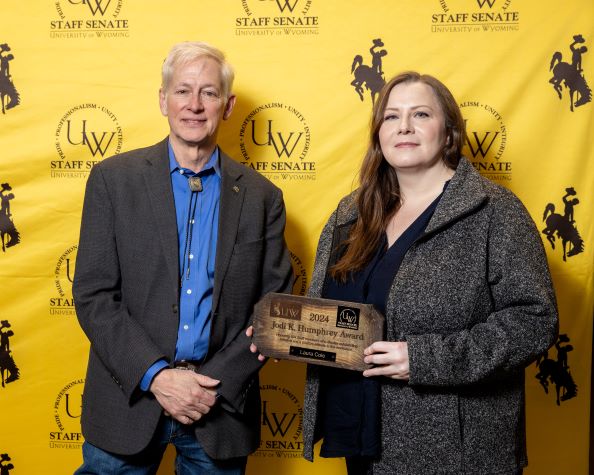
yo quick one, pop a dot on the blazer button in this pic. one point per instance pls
(174, 307)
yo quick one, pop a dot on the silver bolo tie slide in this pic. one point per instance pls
(195, 183)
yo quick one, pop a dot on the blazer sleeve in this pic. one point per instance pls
(117, 339)
(524, 320)
(235, 365)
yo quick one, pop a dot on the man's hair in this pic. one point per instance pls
(188, 51)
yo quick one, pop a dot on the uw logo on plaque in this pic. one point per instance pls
(67, 410)
(85, 135)
(5, 464)
(472, 16)
(300, 284)
(8, 232)
(8, 94)
(369, 77)
(63, 303)
(563, 226)
(282, 415)
(274, 139)
(347, 317)
(486, 139)
(8, 368)
(571, 75)
(277, 18)
(89, 19)
(556, 371)
(281, 309)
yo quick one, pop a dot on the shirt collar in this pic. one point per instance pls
(213, 162)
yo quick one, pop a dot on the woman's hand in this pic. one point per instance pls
(390, 359)
(253, 348)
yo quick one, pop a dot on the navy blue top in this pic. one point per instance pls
(351, 403)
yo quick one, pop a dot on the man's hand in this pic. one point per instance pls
(184, 395)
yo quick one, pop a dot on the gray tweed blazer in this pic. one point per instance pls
(474, 300)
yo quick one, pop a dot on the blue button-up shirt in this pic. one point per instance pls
(197, 215)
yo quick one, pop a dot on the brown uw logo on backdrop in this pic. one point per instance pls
(282, 415)
(474, 16)
(562, 227)
(300, 274)
(277, 18)
(62, 303)
(8, 94)
(9, 371)
(89, 19)
(571, 76)
(67, 410)
(85, 135)
(8, 232)
(486, 139)
(275, 139)
(369, 77)
(557, 372)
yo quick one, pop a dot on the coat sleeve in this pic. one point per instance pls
(523, 322)
(117, 339)
(234, 364)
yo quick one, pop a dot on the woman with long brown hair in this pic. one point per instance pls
(457, 266)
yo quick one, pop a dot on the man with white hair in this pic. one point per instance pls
(178, 242)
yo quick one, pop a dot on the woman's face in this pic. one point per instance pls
(413, 134)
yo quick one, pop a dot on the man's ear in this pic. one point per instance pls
(229, 107)
(163, 101)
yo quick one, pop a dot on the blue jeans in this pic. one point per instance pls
(190, 459)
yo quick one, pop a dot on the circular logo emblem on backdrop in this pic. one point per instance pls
(67, 410)
(475, 16)
(274, 139)
(486, 140)
(300, 285)
(63, 303)
(277, 18)
(85, 135)
(282, 415)
(89, 19)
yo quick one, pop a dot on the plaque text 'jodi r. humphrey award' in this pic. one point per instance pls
(313, 330)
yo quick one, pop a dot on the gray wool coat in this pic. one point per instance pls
(474, 300)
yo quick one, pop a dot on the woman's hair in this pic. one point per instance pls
(188, 51)
(378, 196)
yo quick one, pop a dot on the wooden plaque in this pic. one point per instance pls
(317, 331)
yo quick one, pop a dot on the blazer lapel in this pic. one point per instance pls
(232, 195)
(158, 183)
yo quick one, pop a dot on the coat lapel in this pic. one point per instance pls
(232, 196)
(464, 194)
(158, 183)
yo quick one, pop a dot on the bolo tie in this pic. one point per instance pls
(195, 184)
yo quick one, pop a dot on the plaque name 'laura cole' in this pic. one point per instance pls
(313, 330)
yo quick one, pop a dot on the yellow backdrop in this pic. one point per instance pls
(79, 82)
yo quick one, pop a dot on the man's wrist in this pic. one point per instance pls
(147, 379)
